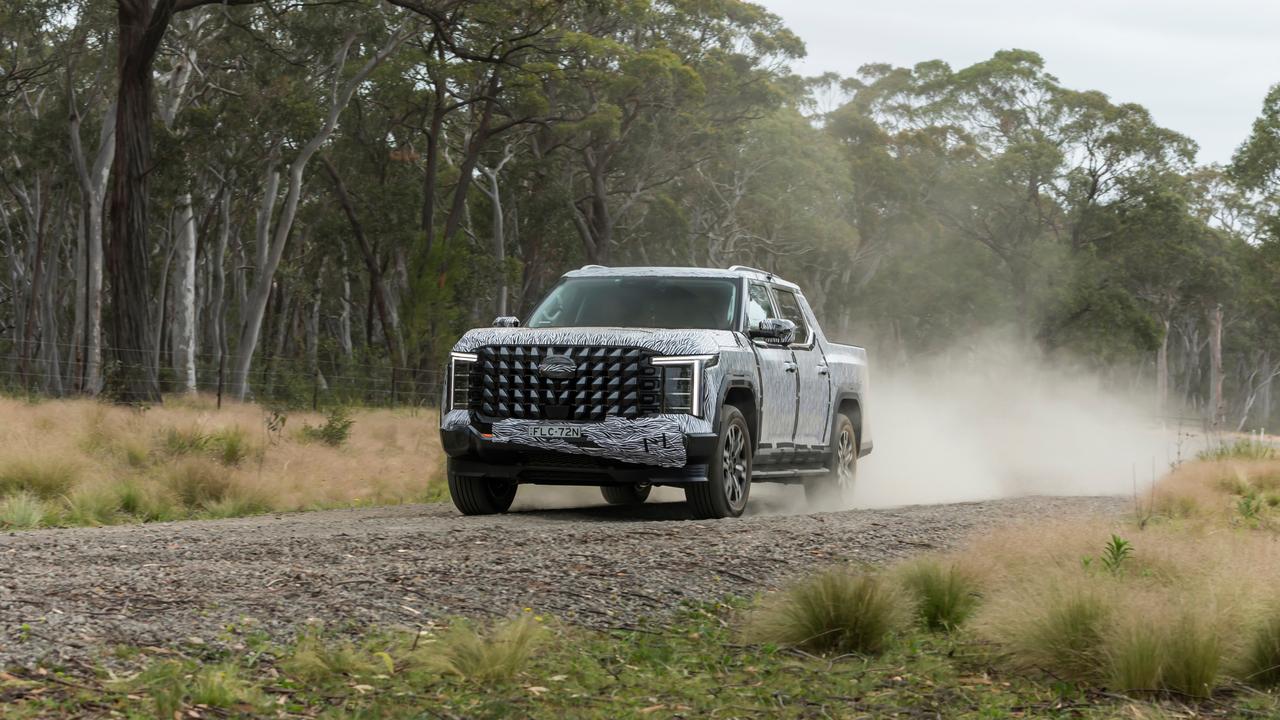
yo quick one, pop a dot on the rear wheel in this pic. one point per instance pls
(626, 494)
(480, 495)
(729, 474)
(834, 491)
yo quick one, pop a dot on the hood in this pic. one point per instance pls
(663, 342)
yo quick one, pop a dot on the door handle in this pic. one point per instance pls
(824, 370)
(790, 366)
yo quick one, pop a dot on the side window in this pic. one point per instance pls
(789, 309)
(759, 304)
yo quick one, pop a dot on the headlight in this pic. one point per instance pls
(460, 365)
(682, 382)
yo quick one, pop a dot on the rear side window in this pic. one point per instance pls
(759, 304)
(789, 309)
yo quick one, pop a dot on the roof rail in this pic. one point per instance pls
(593, 267)
(758, 271)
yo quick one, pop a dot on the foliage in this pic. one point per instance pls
(945, 595)
(495, 656)
(1261, 662)
(335, 430)
(1115, 553)
(835, 611)
(1240, 449)
(21, 511)
(44, 477)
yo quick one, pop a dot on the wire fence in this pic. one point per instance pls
(59, 370)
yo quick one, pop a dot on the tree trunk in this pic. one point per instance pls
(1217, 407)
(140, 29)
(184, 316)
(218, 289)
(1162, 373)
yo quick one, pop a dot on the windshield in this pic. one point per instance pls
(644, 302)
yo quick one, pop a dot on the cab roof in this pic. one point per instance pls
(735, 272)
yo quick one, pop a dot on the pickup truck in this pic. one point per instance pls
(627, 378)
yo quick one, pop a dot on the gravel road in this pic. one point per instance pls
(66, 594)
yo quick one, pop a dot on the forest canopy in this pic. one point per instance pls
(292, 197)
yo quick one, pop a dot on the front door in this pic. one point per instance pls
(778, 384)
(814, 414)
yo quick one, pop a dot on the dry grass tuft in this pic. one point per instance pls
(835, 611)
(21, 511)
(495, 656)
(945, 594)
(45, 477)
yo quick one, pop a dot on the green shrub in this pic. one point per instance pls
(198, 483)
(21, 511)
(495, 656)
(945, 596)
(1192, 654)
(835, 611)
(45, 478)
(1065, 634)
(1261, 663)
(335, 430)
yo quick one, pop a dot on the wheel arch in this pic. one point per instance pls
(742, 395)
(849, 404)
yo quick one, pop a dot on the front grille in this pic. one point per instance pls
(607, 381)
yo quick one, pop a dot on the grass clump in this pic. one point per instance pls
(45, 478)
(836, 611)
(21, 511)
(199, 483)
(1063, 633)
(93, 506)
(1135, 659)
(335, 430)
(1192, 654)
(945, 596)
(1261, 660)
(313, 660)
(146, 502)
(495, 656)
(1241, 449)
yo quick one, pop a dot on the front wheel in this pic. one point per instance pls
(834, 491)
(480, 495)
(729, 474)
(626, 494)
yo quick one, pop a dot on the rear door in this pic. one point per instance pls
(779, 387)
(814, 410)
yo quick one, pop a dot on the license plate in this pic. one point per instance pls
(561, 432)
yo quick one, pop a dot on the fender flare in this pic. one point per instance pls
(732, 383)
(839, 399)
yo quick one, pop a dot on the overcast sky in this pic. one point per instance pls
(1201, 66)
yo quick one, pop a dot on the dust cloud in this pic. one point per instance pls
(1000, 422)
(983, 422)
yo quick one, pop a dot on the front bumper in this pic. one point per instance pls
(480, 454)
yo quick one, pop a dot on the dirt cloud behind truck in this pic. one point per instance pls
(992, 420)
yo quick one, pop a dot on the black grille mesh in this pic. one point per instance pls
(609, 381)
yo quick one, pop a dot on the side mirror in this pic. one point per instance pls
(506, 321)
(774, 331)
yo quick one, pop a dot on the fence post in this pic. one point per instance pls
(222, 367)
(315, 389)
(393, 385)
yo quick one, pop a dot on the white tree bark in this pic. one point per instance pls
(184, 296)
(93, 187)
(256, 305)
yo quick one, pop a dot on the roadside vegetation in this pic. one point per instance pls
(1168, 611)
(82, 462)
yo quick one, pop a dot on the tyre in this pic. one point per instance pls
(834, 491)
(480, 495)
(729, 473)
(626, 494)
